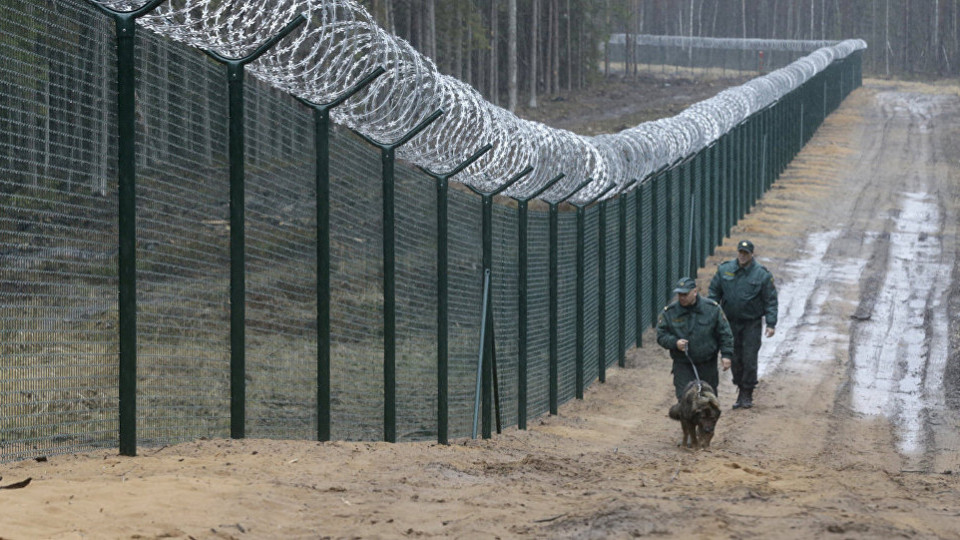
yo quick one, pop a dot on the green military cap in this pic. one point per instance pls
(745, 245)
(685, 285)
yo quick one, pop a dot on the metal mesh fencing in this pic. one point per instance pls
(416, 306)
(356, 278)
(466, 276)
(506, 294)
(610, 305)
(182, 265)
(58, 309)
(538, 305)
(567, 305)
(60, 383)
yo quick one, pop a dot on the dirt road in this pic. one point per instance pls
(854, 433)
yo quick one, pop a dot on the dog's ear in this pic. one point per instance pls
(714, 402)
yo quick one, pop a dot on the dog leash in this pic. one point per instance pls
(696, 374)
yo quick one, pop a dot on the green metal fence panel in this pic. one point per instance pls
(611, 304)
(591, 299)
(416, 249)
(506, 306)
(465, 294)
(538, 314)
(631, 270)
(648, 254)
(58, 231)
(567, 305)
(281, 307)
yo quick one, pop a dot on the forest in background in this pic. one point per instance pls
(513, 51)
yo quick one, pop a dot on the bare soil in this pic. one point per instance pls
(854, 433)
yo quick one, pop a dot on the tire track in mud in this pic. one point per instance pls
(899, 336)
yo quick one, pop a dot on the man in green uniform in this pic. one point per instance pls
(745, 290)
(694, 328)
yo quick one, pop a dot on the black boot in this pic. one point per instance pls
(747, 398)
(740, 394)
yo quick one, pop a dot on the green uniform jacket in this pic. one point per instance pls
(747, 293)
(702, 324)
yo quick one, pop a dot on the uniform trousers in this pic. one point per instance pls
(746, 348)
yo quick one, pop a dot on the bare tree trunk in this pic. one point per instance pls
(534, 51)
(906, 37)
(430, 28)
(569, 49)
(555, 47)
(469, 54)
(773, 33)
(458, 47)
(494, 67)
(743, 16)
(823, 19)
(936, 33)
(512, 55)
(700, 19)
(812, 27)
(886, 39)
(606, 46)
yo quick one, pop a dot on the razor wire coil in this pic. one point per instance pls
(340, 44)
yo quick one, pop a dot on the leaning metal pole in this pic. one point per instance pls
(443, 294)
(489, 390)
(235, 75)
(127, 220)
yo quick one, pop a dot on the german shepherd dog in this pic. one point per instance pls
(698, 412)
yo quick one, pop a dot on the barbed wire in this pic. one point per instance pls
(340, 44)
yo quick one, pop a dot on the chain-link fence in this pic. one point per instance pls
(351, 322)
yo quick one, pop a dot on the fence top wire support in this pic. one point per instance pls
(347, 94)
(604, 191)
(264, 47)
(576, 189)
(542, 189)
(456, 170)
(405, 138)
(133, 14)
(513, 180)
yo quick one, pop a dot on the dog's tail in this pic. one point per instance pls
(675, 412)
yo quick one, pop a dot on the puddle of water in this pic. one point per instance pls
(898, 367)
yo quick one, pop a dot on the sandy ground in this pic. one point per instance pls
(854, 435)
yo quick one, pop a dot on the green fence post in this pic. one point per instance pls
(126, 27)
(602, 293)
(443, 375)
(638, 259)
(581, 210)
(655, 239)
(522, 301)
(622, 270)
(387, 162)
(554, 353)
(321, 137)
(235, 76)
